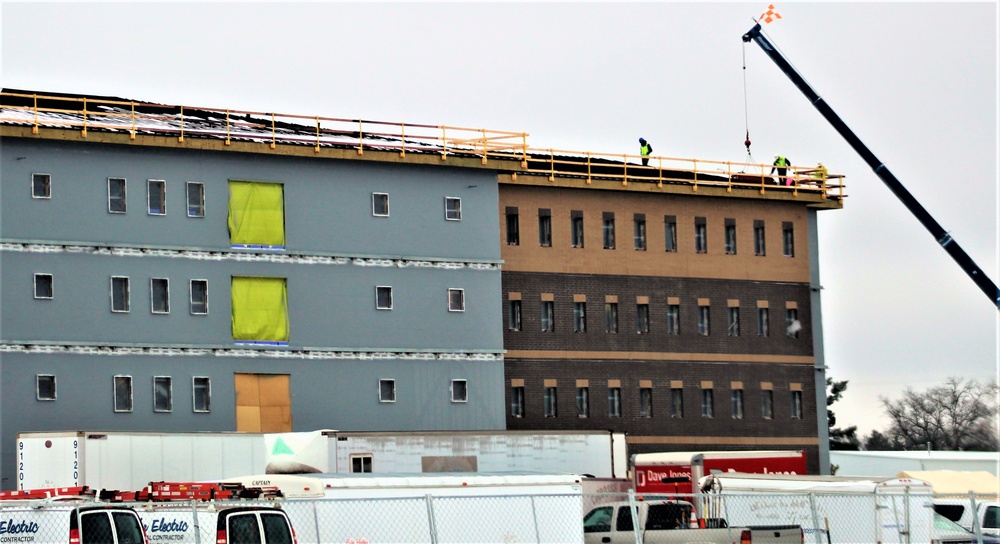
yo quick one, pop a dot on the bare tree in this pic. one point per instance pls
(958, 415)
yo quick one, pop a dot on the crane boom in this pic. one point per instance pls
(947, 242)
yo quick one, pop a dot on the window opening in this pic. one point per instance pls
(707, 403)
(762, 325)
(796, 404)
(260, 310)
(645, 402)
(614, 401)
(41, 186)
(700, 235)
(514, 315)
(642, 318)
(159, 289)
(195, 199)
(456, 300)
(737, 401)
(361, 463)
(116, 195)
(387, 390)
(579, 317)
(550, 402)
(544, 228)
(670, 232)
(119, 294)
(45, 387)
(576, 228)
(548, 316)
(767, 404)
(43, 286)
(163, 398)
(452, 208)
(123, 393)
(201, 387)
(759, 246)
(383, 297)
(676, 402)
(639, 233)
(792, 323)
(703, 322)
(156, 197)
(788, 239)
(609, 230)
(674, 319)
(459, 391)
(517, 401)
(734, 321)
(380, 204)
(730, 237)
(611, 317)
(583, 401)
(199, 297)
(513, 227)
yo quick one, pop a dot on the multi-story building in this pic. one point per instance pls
(167, 271)
(172, 269)
(683, 312)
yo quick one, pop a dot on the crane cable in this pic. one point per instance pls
(746, 109)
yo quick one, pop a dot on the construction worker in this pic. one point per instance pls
(781, 164)
(820, 173)
(645, 149)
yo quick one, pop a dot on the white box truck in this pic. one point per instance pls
(130, 460)
(439, 508)
(830, 509)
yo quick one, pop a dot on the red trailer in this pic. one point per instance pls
(679, 471)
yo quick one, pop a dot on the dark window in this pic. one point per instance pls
(195, 199)
(759, 247)
(639, 232)
(544, 227)
(579, 317)
(513, 227)
(156, 191)
(361, 464)
(642, 318)
(514, 315)
(583, 401)
(517, 401)
(159, 289)
(383, 297)
(119, 294)
(548, 316)
(609, 230)
(163, 394)
(41, 186)
(576, 228)
(614, 401)
(452, 208)
(43, 286)
(45, 387)
(380, 204)
(199, 297)
(767, 404)
(387, 390)
(611, 317)
(645, 402)
(676, 402)
(123, 393)
(734, 321)
(674, 319)
(730, 236)
(202, 392)
(707, 403)
(670, 232)
(551, 402)
(788, 239)
(700, 235)
(116, 195)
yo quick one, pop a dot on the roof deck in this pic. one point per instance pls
(115, 120)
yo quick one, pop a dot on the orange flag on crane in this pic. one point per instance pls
(770, 14)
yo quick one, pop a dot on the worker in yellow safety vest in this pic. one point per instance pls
(781, 164)
(644, 150)
(820, 172)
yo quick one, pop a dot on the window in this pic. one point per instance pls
(41, 186)
(576, 228)
(456, 300)
(517, 401)
(123, 393)
(788, 239)
(544, 227)
(645, 402)
(119, 294)
(159, 291)
(676, 402)
(459, 391)
(759, 247)
(674, 319)
(514, 315)
(513, 227)
(611, 317)
(639, 231)
(734, 321)
(383, 297)
(116, 195)
(614, 401)
(199, 297)
(45, 387)
(361, 462)
(730, 236)
(703, 323)
(548, 316)
(380, 204)
(642, 318)
(792, 324)
(796, 404)
(256, 215)
(195, 199)
(582, 401)
(767, 404)
(201, 389)
(707, 403)
(737, 398)
(452, 208)
(43, 286)
(762, 322)
(609, 230)
(387, 390)
(163, 396)
(156, 197)
(670, 232)
(260, 310)
(579, 317)
(700, 235)
(550, 402)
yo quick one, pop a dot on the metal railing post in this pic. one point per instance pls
(534, 519)
(227, 126)
(402, 139)
(197, 527)
(316, 520)
(132, 132)
(977, 527)
(181, 137)
(34, 129)
(636, 529)
(317, 135)
(430, 518)
(84, 131)
(272, 131)
(815, 518)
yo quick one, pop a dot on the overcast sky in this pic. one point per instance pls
(917, 82)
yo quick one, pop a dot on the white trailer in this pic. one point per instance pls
(130, 460)
(830, 509)
(440, 508)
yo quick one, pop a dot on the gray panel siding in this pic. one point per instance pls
(328, 206)
(330, 306)
(337, 394)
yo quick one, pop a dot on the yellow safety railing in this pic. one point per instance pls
(272, 128)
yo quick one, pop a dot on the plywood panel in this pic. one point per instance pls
(248, 419)
(247, 390)
(274, 390)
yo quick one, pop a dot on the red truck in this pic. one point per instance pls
(678, 472)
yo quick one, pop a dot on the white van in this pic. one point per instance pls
(176, 523)
(75, 522)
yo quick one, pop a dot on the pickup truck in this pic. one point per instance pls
(669, 522)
